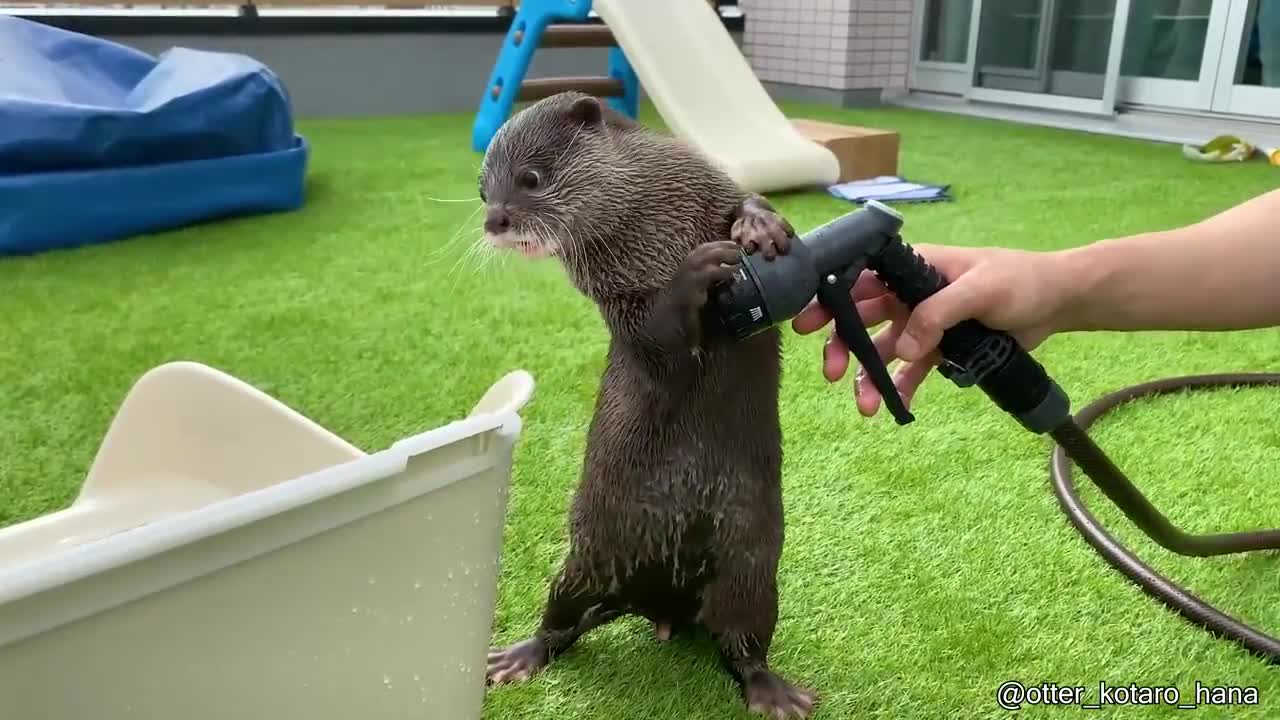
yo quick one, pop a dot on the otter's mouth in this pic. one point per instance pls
(531, 248)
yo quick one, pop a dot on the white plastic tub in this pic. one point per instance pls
(228, 558)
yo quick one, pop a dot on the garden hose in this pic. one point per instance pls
(1073, 443)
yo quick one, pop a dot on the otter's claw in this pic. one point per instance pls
(776, 699)
(706, 265)
(516, 663)
(757, 226)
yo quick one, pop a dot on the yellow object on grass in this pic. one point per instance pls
(1224, 148)
(1229, 148)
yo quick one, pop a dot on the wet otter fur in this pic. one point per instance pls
(678, 515)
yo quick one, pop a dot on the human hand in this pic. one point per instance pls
(1018, 291)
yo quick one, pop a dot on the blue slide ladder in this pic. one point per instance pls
(551, 23)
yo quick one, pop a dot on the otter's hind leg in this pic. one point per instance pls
(577, 603)
(740, 608)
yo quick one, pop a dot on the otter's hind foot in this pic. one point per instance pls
(666, 629)
(775, 698)
(517, 662)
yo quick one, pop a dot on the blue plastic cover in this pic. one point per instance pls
(100, 141)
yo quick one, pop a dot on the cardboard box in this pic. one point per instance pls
(862, 152)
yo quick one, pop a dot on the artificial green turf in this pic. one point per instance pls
(924, 565)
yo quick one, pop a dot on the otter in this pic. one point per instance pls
(678, 514)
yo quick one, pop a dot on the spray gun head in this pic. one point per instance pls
(764, 292)
(824, 264)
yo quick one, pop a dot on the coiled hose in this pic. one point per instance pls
(1073, 443)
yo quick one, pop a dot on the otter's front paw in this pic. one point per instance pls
(676, 323)
(708, 264)
(674, 326)
(758, 227)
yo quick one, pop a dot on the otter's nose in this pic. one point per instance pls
(497, 221)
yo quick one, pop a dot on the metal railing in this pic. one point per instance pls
(496, 5)
(468, 8)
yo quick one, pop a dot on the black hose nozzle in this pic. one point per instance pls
(825, 264)
(974, 354)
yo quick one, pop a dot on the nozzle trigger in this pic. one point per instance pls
(835, 294)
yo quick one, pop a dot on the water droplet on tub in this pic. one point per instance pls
(416, 678)
(450, 574)
(386, 681)
(372, 580)
(354, 610)
(410, 618)
(466, 570)
(417, 584)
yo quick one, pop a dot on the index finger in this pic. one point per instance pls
(815, 317)
(812, 318)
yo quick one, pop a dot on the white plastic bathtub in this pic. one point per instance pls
(228, 558)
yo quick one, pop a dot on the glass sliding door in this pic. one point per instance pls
(1090, 56)
(1171, 52)
(941, 43)
(1051, 54)
(1248, 78)
(946, 31)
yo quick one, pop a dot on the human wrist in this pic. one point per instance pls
(1077, 275)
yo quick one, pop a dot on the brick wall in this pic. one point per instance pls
(839, 48)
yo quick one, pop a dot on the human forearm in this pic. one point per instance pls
(1222, 273)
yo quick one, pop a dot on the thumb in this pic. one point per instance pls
(966, 298)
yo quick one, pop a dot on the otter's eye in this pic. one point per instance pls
(530, 179)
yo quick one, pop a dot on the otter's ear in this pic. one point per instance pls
(587, 110)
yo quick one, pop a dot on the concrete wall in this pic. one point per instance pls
(363, 74)
(839, 52)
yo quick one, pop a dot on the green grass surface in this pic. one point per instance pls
(924, 565)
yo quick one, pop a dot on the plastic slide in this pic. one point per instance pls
(708, 95)
(101, 141)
